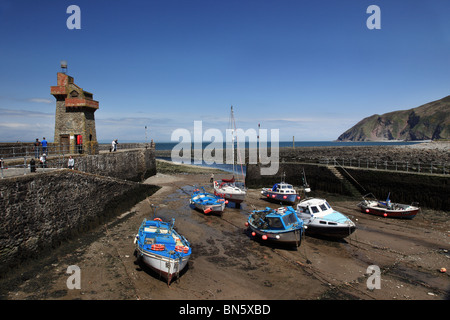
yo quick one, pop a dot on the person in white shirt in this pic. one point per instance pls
(43, 161)
(114, 145)
(71, 163)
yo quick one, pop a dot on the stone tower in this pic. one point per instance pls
(74, 118)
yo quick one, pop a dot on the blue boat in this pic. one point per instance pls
(277, 225)
(161, 248)
(281, 192)
(208, 202)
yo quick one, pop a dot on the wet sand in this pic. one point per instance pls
(227, 264)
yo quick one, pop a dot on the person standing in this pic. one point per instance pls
(37, 145)
(44, 145)
(32, 165)
(43, 160)
(71, 163)
(114, 145)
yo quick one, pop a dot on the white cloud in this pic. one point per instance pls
(40, 100)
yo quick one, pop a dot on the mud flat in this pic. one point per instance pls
(227, 264)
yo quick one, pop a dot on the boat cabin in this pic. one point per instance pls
(280, 219)
(283, 188)
(314, 207)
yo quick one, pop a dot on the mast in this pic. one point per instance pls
(233, 124)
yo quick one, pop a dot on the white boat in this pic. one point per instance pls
(228, 188)
(321, 219)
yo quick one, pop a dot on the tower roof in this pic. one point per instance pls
(74, 96)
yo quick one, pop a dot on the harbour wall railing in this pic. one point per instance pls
(28, 149)
(434, 167)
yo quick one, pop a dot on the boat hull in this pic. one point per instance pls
(374, 209)
(233, 197)
(167, 267)
(291, 237)
(280, 197)
(337, 232)
(217, 208)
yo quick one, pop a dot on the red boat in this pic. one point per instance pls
(388, 209)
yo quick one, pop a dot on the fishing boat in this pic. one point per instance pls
(281, 192)
(320, 219)
(208, 202)
(161, 248)
(228, 190)
(276, 225)
(387, 209)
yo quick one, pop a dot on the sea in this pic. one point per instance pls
(281, 144)
(298, 144)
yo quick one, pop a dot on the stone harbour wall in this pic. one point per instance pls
(133, 164)
(39, 211)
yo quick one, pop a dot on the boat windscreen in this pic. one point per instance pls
(290, 219)
(314, 209)
(274, 223)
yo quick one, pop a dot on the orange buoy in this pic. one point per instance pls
(264, 237)
(157, 247)
(443, 270)
(182, 249)
(253, 233)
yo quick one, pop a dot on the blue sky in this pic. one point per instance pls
(311, 69)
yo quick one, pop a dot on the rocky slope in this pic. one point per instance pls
(430, 121)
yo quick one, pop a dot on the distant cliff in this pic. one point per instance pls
(430, 121)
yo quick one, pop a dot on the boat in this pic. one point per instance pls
(321, 220)
(276, 225)
(281, 192)
(387, 209)
(208, 202)
(161, 248)
(228, 188)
